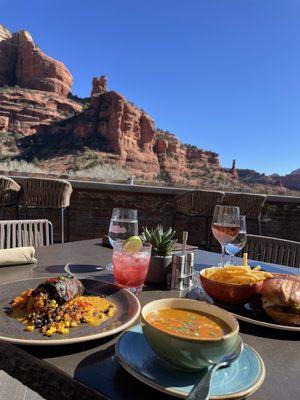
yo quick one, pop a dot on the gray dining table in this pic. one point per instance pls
(90, 371)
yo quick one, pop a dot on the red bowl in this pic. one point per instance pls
(230, 293)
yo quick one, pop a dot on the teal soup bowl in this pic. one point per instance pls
(190, 353)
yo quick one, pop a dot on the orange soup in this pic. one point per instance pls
(188, 323)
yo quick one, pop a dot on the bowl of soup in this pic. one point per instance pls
(189, 334)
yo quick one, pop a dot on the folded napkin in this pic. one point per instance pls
(18, 255)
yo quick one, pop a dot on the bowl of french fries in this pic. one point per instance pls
(234, 285)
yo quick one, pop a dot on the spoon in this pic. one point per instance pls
(201, 389)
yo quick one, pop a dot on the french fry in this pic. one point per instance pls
(245, 261)
(239, 275)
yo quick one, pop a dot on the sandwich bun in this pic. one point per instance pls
(281, 299)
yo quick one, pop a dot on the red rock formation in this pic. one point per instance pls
(127, 133)
(233, 170)
(4, 123)
(25, 110)
(47, 83)
(292, 180)
(8, 57)
(99, 86)
(23, 63)
(120, 131)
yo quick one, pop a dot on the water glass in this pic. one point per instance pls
(123, 224)
(239, 242)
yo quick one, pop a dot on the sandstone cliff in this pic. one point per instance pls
(120, 131)
(39, 118)
(24, 110)
(292, 180)
(23, 63)
(33, 86)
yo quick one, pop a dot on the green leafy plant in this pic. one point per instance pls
(162, 242)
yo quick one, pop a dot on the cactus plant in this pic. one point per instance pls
(162, 241)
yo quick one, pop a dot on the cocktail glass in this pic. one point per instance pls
(131, 268)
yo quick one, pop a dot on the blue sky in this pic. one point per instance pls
(221, 74)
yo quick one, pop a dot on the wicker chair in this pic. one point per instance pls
(9, 194)
(198, 204)
(47, 194)
(250, 205)
(273, 250)
(19, 233)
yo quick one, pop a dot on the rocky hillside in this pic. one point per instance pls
(33, 86)
(120, 131)
(41, 121)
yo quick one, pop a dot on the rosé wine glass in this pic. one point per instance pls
(225, 225)
(131, 268)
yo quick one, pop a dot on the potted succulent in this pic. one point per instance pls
(162, 247)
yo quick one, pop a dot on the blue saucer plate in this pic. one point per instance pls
(243, 377)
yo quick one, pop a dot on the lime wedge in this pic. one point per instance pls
(133, 244)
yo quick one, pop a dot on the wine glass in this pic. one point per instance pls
(123, 224)
(238, 243)
(225, 225)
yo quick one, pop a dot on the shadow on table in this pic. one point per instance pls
(64, 350)
(49, 269)
(80, 270)
(270, 333)
(102, 372)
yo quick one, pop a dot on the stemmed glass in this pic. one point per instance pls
(238, 243)
(123, 224)
(225, 225)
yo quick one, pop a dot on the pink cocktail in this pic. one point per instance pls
(130, 269)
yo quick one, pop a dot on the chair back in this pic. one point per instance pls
(250, 204)
(9, 191)
(198, 202)
(30, 232)
(273, 250)
(46, 193)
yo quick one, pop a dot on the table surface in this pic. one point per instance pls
(90, 370)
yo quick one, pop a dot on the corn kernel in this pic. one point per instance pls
(30, 328)
(67, 317)
(73, 324)
(67, 324)
(65, 331)
(57, 318)
(49, 332)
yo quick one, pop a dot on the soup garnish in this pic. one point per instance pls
(188, 323)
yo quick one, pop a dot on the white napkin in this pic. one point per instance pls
(17, 255)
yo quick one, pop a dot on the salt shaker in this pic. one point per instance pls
(177, 274)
